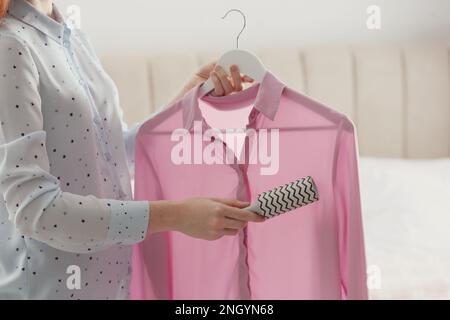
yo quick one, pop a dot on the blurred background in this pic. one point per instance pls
(161, 25)
(385, 64)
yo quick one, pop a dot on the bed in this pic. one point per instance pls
(406, 215)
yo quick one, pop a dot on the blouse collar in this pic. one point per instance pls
(267, 95)
(25, 12)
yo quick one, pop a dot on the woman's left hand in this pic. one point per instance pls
(223, 84)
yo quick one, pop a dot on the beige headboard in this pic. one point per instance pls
(399, 98)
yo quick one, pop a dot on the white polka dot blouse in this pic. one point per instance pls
(66, 216)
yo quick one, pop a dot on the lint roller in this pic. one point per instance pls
(285, 198)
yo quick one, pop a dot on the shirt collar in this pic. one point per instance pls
(24, 11)
(268, 94)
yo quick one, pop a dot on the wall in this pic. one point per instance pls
(150, 25)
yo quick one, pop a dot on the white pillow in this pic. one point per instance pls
(406, 212)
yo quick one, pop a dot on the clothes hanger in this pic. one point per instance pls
(248, 63)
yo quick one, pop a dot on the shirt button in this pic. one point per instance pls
(97, 121)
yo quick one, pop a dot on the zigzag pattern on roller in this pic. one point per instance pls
(288, 197)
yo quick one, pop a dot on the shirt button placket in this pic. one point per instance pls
(101, 134)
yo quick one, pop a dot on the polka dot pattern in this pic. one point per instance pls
(65, 193)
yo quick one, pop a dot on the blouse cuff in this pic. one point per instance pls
(129, 222)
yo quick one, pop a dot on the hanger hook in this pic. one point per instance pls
(243, 27)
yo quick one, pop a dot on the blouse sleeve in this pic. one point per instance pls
(348, 210)
(129, 136)
(148, 276)
(33, 196)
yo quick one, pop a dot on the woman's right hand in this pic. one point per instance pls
(203, 218)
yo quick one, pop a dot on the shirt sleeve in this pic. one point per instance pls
(348, 210)
(150, 278)
(32, 195)
(129, 136)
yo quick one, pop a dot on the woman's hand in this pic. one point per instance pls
(203, 218)
(223, 84)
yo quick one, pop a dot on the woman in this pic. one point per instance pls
(66, 219)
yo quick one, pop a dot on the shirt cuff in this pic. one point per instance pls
(129, 222)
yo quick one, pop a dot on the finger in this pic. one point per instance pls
(223, 76)
(232, 202)
(242, 215)
(234, 224)
(247, 79)
(205, 71)
(218, 89)
(236, 76)
(230, 232)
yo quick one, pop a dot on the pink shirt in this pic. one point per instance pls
(314, 252)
